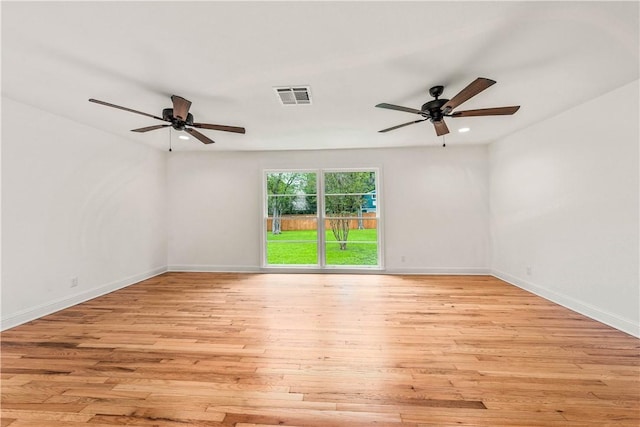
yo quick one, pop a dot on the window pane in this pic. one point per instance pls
(296, 243)
(353, 254)
(293, 228)
(291, 253)
(349, 193)
(349, 182)
(298, 204)
(343, 205)
(350, 218)
(358, 247)
(291, 219)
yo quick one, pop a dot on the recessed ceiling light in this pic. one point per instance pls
(463, 130)
(183, 137)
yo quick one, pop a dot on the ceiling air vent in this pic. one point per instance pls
(299, 95)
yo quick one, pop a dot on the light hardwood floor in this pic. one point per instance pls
(310, 350)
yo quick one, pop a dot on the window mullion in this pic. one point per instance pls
(322, 235)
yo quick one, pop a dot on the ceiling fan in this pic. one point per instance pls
(179, 117)
(437, 109)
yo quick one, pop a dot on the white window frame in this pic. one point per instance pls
(321, 264)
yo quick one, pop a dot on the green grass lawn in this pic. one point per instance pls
(299, 247)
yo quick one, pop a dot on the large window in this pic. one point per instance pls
(322, 219)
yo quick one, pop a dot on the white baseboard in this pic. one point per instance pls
(445, 271)
(330, 270)
(32, 313)
(257, 269)
(625, 325)
(214, 268)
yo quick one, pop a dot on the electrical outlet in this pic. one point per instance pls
(74, 282)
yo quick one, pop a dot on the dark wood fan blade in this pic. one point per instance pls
(441, 128)
(126, 109)
(204, 139)
(225, 128)
(402, 125)
(398, 108)
(474, 88)
(180, 107)
(498, 111)
(148, 128)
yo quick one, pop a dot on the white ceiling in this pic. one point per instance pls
(226, 57)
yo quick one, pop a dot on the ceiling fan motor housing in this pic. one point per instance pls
(167, 114)
(433, 109)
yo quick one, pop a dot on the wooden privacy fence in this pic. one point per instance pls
(309, 222)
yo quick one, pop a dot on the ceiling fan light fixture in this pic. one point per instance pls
(463, 130)
(185, 137)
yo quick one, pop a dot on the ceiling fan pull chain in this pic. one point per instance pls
(170, 140)
(443, 142)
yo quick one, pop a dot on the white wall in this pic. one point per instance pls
(434, 201)
(564, 202)
(76, 202)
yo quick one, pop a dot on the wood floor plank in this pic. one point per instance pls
(311, 350)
